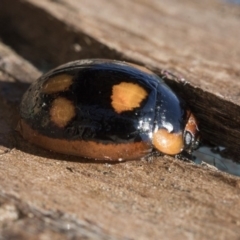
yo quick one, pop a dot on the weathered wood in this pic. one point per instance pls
(47, 195)
(172, 35)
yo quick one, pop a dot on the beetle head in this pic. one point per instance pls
(191, 135)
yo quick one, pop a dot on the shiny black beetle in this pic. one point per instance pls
(105, 109)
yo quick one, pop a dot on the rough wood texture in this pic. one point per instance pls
(49, 196)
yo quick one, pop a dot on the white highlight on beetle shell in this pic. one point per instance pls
(168, 126)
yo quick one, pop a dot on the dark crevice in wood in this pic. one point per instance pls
(44, 40)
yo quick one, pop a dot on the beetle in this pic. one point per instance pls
(106, 110)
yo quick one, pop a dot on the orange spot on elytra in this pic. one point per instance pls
(58, 83)
(168, 143)
(127, 96)
(62, 111)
